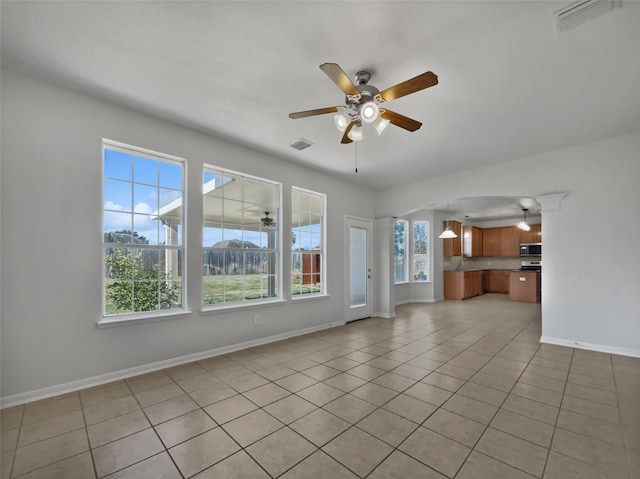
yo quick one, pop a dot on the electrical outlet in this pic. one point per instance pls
(256, 320)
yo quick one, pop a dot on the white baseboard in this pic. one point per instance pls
(29, 396)
(384, 315)
(422, 300)
(601, 348)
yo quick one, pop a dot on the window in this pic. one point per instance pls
(240, 238)
(307, 242)
(143, 224)
(400, 264)
(420, 251)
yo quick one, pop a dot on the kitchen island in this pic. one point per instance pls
(518, 284)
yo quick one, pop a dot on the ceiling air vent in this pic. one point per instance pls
(580, 12)
(301, 144)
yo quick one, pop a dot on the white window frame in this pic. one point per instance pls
(145, 316)
(405, 256)
(276, 216)
(425, 275)
(322, 247)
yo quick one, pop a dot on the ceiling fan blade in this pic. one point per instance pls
(401, 120)
(340, 78)
(345, 137)
(319, 111)
(410, 86)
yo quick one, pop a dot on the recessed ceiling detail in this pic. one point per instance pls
(490, 208)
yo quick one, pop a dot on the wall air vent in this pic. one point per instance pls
(581, 12)
(301, 144)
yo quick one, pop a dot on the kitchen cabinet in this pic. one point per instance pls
(524, 286)
(501, 241)
(453, 246)
(471, 242)
(491, 239)
(534, 235)
(472, 283)
(498, 281)
(462, 284)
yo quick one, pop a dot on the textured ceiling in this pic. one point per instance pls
(510, 86)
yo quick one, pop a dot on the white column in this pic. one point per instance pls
(383, 286)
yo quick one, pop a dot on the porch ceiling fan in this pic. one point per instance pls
(266, 221)
(362, 100)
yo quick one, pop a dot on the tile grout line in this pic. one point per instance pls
(501, 404)
(555, 426)
(405, 332)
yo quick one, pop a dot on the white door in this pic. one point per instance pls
(358, 274)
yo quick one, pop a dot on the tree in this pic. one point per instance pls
(144, 289)
(125, 236)
(398, 238)
(420, 238)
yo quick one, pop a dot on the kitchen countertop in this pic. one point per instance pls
(491, 269)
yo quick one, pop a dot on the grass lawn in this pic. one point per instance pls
(218, 289)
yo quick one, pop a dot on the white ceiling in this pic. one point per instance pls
(510, 86)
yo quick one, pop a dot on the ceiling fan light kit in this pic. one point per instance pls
(342, 120)
(380, 124)
(355, 134)
(369, 112)
(362, 102)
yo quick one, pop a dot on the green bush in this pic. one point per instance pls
(136, 286)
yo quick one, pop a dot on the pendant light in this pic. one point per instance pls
(448, 232)
(523, 224)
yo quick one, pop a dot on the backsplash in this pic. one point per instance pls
(456, 262)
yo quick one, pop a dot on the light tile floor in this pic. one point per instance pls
(454, 389)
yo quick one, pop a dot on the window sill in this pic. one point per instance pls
(151, 317)
(402, 282)
(240, 306)
(304, 297)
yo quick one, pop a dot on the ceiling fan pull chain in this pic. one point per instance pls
(356, 156)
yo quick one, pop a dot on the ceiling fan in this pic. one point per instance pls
(267, 222)
(362, 102)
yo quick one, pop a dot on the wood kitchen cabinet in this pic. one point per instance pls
(462, 284)
(453, 246)
(534, 235)
(498, 281)
(471, 242)
(491, 239)
(502, 241)
(524, 286)
(472, 283)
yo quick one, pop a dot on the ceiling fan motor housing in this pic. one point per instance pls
(367, 92)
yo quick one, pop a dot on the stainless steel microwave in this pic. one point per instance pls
(530, 249)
